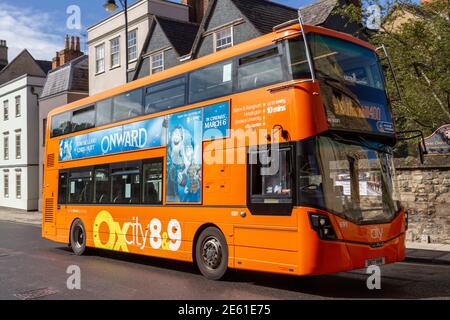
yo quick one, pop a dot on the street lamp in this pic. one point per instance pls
(111, 6)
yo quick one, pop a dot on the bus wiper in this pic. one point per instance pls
(362, 142)
(381, 148)
(331, 81)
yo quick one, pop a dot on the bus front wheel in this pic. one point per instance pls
(211, 253)
(78, 237)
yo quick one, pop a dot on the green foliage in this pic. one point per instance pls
(420, 52)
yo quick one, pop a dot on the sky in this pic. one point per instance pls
(40, 26)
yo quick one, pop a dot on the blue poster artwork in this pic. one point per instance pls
(145, 134)
(216, 121)
(184, 157)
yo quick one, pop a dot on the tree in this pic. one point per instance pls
(417, 37)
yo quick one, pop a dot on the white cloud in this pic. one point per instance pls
(24, 28)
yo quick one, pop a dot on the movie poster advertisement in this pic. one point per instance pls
(184, 157)
(140, 135)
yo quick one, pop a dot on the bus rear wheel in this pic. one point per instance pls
(211, 254)
(78, 237)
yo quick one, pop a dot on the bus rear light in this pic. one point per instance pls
(322, 225)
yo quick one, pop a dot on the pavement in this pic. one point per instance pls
(34, 268)
(415, 251)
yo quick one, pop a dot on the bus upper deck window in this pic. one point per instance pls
(297, 59)
(127, 105)
(83, 119)
(61, 124)
(167, 95)
(211, 82)
(104, 112)
(259, 69)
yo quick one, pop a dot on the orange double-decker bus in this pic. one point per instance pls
(269, 155)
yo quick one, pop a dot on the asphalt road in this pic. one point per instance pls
(28, 263)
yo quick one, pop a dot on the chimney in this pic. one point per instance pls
(56, 62)
(3, 54)
(77, 45)
(71, 51)
(197, 9)
(66, 45)
(72, 43)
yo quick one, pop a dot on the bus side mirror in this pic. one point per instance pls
(422, 152)
(406, 135)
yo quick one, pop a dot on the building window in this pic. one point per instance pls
(5, 110)
(224, 38)
(115, 52)
(6, 147)
(6, 185)
(18, 111)
(18, 185)
(157, 63)
(18, 146)
(100, 58)
(132, 45)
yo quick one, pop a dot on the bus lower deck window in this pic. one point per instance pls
(126, 185)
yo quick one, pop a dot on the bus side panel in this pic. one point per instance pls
(266, 248)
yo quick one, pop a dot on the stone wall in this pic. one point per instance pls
(425, 193)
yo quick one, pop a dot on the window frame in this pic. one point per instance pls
(75, 170)
(148, 161)
(134, 45)
(18, 145)
(18, 106)
(69, 113)
(5, 110)
(97, 59)
(6, 147)
(272, 208)
(18, 185)
(152, 57)
(66, 195)
(113, 107)
(6, 184)
(94, 189)
(233, 80)
(186, 91)
(96, 112)
(81, 109)
(223, 47)
(111, 53)
(284, 69)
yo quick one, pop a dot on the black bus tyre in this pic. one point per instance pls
(78, 237)
(211, 254)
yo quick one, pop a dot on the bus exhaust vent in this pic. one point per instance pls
(49, 210)
(51, 160)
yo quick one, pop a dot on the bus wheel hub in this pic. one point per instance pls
(212, 253)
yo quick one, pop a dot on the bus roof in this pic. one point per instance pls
(283, 31)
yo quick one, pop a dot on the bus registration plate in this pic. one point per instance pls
(375, 262)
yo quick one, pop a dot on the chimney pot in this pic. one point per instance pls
(72, 43)
(77, 48)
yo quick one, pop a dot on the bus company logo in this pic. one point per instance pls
(135, 234)
(376, 233)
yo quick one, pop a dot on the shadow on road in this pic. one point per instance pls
(345, 285)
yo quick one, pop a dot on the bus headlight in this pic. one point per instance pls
(322, 225)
